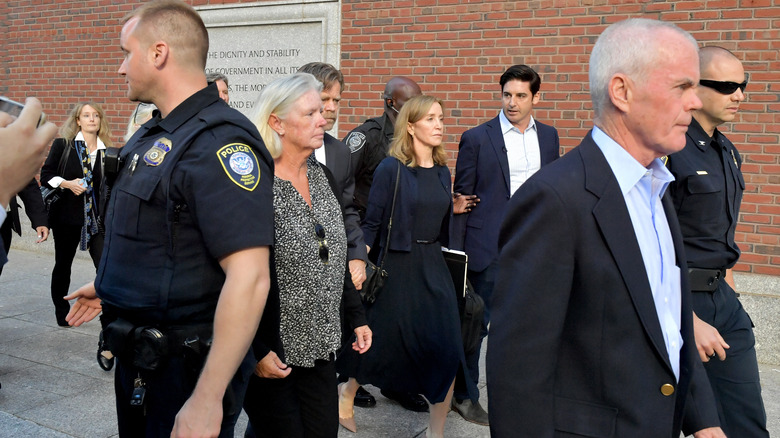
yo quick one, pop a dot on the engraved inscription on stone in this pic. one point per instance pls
(251, 56)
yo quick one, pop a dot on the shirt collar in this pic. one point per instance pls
(699, 137)
(80, 137)
(627, 170)
(191, 106)
(507, 126)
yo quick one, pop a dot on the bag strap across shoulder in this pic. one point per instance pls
(392, 211)
(64, 157)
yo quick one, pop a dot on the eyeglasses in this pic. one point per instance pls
(723, 87)
(319, 231)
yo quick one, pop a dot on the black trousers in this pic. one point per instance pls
(303, 404)
(734, 381)
(166, 391)
(66, 242)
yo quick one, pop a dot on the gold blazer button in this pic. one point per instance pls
(667, 389)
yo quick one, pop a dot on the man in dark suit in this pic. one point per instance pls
(336, 156)
(592, 330)
(494, 159)
(33, 206)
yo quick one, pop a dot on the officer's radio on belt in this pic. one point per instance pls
(112, 164)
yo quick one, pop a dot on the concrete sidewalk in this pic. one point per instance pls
(53, 387)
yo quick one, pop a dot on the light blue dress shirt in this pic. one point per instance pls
(643, 188)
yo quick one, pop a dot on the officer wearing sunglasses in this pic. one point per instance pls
(707, 192)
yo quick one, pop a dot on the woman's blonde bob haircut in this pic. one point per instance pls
(279, 98)
(402, 146)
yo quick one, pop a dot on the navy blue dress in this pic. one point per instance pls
(417, 346)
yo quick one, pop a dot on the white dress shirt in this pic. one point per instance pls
(522, 151)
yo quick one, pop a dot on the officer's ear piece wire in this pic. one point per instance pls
(319, 231)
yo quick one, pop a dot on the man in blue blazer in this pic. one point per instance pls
(592, 330)
(494, 159)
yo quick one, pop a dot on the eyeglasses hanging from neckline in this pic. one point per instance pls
(319, 232)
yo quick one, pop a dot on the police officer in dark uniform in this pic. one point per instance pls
(370, 141)
(184, 274)
(707, 192)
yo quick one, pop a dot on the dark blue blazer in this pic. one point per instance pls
(380, 200)
(576, 348)
(482, 169)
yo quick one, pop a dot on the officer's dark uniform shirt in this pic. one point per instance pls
(369, 144)
(707, 192)
(194, 187)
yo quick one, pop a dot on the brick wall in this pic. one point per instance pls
(65, 52)
(457, 49)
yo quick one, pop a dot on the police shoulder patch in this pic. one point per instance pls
(240, 164)
(355, 140)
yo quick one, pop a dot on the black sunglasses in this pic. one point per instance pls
(723, 87)
(319, 231)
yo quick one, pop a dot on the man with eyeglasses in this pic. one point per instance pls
(707, 192)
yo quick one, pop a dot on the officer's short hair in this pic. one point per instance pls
(214, 77)
(278, 98)
(325, 73)
(176, 23)
(523, 73)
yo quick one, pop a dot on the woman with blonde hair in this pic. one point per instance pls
(418, 347)
(75, 167)
(293, 391)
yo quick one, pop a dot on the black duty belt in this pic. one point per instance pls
(705, 280)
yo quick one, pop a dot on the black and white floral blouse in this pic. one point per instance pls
(310, 290)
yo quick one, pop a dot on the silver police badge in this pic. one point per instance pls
(240, 164)
(156, 154)
(356, 140)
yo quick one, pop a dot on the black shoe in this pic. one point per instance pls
(412, 402)
(364, 399)
(470, 411)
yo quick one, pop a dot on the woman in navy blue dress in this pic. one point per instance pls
(417, 346)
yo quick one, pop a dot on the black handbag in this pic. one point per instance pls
(472, 310)
(376, 275)
(51, 196)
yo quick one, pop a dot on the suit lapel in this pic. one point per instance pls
(546, 143)
(497, 142)
(330, 155)
(611, 215)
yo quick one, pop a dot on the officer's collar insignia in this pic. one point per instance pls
(664, 160)
(156, 154)
(240, 164)
(356, 140)
(702, 143)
